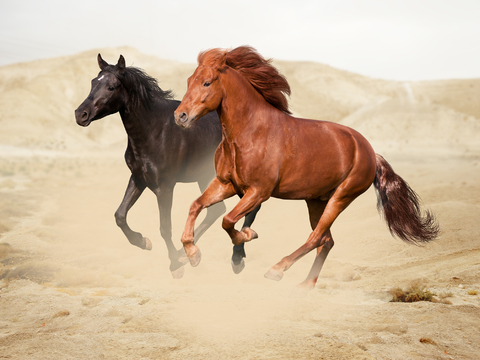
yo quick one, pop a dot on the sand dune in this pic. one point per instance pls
(72, 287)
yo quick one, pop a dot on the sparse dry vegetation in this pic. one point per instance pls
(415, 292)
(425, 340)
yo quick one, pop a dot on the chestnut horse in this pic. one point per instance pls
(267, 152)
(159, 154)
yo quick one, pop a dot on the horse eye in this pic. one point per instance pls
(111, 88)
(207, 84)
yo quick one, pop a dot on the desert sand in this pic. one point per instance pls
(72, 287)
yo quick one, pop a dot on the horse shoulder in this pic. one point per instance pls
(223, 161)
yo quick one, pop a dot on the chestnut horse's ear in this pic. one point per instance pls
(101, 63)
(222, 61)
(121, 64)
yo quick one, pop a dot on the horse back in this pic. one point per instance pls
(321, 155)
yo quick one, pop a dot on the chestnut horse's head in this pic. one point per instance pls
(204, 91)
(106, 95)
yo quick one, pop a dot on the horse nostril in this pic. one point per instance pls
(183, 117)
(84, 115)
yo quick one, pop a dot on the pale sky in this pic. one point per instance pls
(395, 40)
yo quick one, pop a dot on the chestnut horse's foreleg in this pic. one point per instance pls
(238, 264)
(319, 236)
(213, 213)
(215, 192)
(249, 202)
(133, 192)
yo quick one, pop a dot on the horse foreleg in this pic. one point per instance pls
(250, 201)
(238, 262)
(132, 194)
(215, 192)
(213, 213)
(164, 195)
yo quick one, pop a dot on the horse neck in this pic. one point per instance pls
(140, 122)
(240, 98)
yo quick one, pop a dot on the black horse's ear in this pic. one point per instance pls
(121, 64)
(101, 63)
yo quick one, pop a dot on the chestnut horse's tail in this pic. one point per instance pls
(400, 206)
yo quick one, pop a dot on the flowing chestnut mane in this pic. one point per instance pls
(263, 76)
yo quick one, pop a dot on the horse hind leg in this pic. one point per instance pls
(315, 211)
(322, 253)
(319, 237)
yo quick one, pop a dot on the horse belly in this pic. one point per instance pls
(318, 164)
(312, 184)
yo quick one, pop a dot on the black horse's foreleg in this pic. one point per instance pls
(132, 194)
(164, 195)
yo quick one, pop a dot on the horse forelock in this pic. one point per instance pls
(211, 57)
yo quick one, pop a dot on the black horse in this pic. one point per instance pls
(159, 153)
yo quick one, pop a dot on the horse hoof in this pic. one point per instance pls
(249, 234)
(182, 256)
(274, 275)
(195, 259)
(237, 268)
(299, 292)
(306, 285)
(183, 259)
(148, 244)
(178, 274)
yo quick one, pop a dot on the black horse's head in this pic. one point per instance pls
(107, 95)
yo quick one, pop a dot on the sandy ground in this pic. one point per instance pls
(72, 287)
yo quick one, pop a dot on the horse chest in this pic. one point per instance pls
(144, 169)
(228, 159)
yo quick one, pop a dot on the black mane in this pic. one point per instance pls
(142, 88)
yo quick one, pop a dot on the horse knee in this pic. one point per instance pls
(120, 219)
(328, 244)
(227, 223)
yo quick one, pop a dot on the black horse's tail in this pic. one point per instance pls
(400, 206)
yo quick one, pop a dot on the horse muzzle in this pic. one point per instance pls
(83, 117)
(182, 119)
